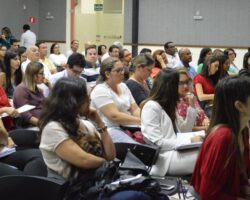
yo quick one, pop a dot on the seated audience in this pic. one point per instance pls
(140, 68)
(125, 56)
(65, 138)
(21, 51)
(114, 101)
(204, 54)
(245, 71)
(188, 107)
(231, 55)
(28, 93)
(61, 128)
(19, 162)
(205, 82)
(146, 51)
(158, 120)
(5, 107)
(101, 50)
(75, 65)
(222, 167)
(224, 66)
(160, 62)
(3, 50)
(59, 59)
(170, 51)
(13, 75)
(91, 70)
(185, 60)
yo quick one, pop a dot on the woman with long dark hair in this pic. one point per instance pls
(222, 167)
(158, 119)
(204, 54)
(14, 73)
(205, 82)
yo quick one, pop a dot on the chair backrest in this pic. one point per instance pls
(146, 153)
(31, 187)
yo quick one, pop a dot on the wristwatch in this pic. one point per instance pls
(102, 129)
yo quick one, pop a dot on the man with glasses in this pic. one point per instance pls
(76, 63)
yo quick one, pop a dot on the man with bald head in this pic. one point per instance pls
(33, 55)
(185, 59)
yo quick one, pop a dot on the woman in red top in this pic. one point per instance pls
(222, 167)
(5, 107)
(205, 82)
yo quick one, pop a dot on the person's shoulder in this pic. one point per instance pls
(222, 133)
(198, 77)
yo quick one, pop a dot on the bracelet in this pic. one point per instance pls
(102, 129)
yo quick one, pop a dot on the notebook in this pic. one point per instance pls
(187, 138)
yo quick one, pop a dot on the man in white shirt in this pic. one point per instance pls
(74, 45)
(76, 63)
(172, 58)
(28, 38)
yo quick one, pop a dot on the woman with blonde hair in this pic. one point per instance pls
(28, 93)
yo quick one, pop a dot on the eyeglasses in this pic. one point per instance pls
(129, 54)
(187, 82)
(76, 71)
(119, 70)
(41, 73)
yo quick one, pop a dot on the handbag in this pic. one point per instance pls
(135, 133)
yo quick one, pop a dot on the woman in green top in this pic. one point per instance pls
(204, 54)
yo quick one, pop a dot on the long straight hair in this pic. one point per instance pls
(165, 92)
(230, 90)
(18, 73)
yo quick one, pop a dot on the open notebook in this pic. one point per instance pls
(187, 140)
(21, 109)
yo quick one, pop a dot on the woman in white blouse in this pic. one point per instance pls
(159, 125)
(59, 59)
(114, 101)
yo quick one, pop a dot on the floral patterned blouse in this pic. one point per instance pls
(182, 107)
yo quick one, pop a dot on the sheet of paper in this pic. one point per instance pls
(21, 109)
(7, 151)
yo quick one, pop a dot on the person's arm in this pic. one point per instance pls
(2, 79)
(108, 145)
(112, 113)
(200, 94)
(72, 153)
(20, 98)
(12, 112)
(135, 110)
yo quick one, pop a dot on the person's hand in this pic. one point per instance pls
(197, 138)
(94, 117)
(47, 83)
(206, 122)
(12, 112)
(10, 143)
(3, 37)
(191, 99)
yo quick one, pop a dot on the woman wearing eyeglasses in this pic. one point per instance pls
(28, 93)
(114, 101)
(192, 117)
